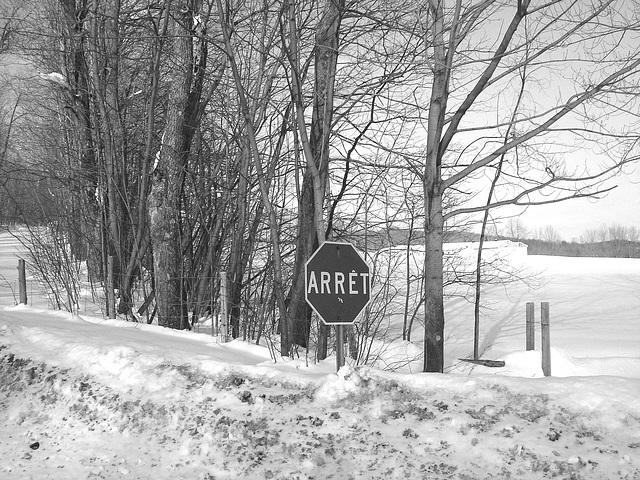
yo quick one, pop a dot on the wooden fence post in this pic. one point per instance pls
(22, 281)
(531, 327)
(546, 340)
(111, 295)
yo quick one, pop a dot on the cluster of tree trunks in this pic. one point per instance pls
(189, 138)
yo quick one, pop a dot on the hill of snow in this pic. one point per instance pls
(83, 397)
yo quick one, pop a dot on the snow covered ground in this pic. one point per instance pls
(82, 397)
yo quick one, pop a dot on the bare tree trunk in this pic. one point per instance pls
(168, 178)
(432, 190)
(285, 330)
(142, 240)
(311, 227)
(485, 219)
(434, 281)
(207, 281)
(406, 322)
(236, 256)
(106, 41)
(77, 73)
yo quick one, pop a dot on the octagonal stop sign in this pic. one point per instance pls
(337, 283)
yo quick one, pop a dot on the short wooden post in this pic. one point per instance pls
(531, 327)
(111, 295)
(224, 326)
(22, 281)
(546, 340)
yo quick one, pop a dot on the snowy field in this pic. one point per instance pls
(82, 397)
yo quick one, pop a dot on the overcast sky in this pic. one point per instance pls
(570, 219)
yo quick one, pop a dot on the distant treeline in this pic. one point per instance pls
(620, 248)
(611, 248)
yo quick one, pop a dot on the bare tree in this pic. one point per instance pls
(485, 217)
(315, 147)
(516, 229)
(184, 112)
(549, 234)
(308, 129)
(541, 181)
